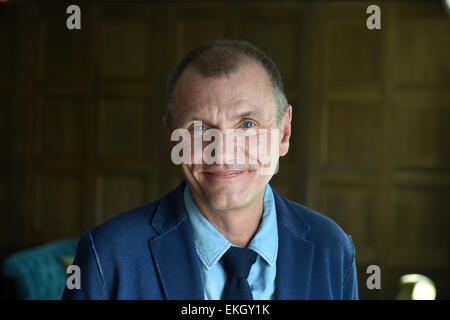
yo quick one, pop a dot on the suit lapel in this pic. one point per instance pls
(295, 253)
(174, 251)
(177, 264)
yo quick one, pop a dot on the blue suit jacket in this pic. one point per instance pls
(149, 253)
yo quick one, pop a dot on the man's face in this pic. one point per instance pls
(243, 101)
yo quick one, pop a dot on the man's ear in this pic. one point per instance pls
(166, 125)
(168, 128)
(285, 131)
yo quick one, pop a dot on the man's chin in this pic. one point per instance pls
(224, 204)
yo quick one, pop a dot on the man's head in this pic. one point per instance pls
(222, 58)
(228, 85)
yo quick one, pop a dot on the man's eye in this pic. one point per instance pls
(247, 124)
(199, 128)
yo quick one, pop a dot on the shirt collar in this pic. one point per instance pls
(211, 244)
(265, 242)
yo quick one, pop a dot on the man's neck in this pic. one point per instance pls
(239, 225)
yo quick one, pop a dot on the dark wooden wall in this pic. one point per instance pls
(81, 134)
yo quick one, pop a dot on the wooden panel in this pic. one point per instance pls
(5, 208)
(173, 178)
(58, 209)
(352, 134)
(191, 32)
(283, 183)
(61, 52)
(425, 45)
(353, 208)
(288, 180)
(125, 43)
(281, 49)
(352, 53)
(119, 192)
(7, 34)
(419, 221)
(5, 126)
(123, 128)
(59, 126)
(421, 137)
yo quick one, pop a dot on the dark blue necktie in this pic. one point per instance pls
(237, 263)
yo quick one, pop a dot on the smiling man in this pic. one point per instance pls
(223, 233)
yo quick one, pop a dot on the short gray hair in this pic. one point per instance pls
(224, 57)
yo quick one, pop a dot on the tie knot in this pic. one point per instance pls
(238, 261)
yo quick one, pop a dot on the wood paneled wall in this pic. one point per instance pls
(81, 134)
(380, 151)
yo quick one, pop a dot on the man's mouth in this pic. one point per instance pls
(224, 174)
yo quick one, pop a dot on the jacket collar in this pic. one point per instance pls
(295, 252)
(174, 250)
(171, 210)
(173, 202)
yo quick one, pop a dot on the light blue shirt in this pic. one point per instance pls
(211, 245)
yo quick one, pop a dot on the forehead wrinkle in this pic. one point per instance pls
(255, 113)
(229, 113)
(217, 107)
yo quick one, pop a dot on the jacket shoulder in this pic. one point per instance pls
(106, 253)
(126, 227)
(324, 232)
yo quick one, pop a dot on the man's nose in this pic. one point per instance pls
(225, 148)
(234, 147)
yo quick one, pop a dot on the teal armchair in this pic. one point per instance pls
(39, 273)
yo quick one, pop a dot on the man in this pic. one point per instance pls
(223, 233)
